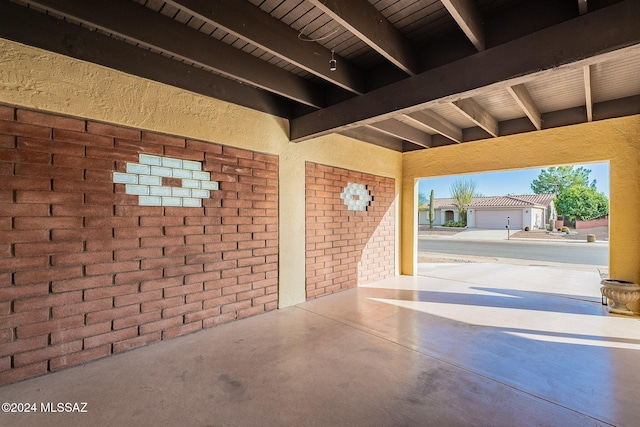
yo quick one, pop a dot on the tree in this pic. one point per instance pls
(463, 190)
(576, 196)
(557, 179)
(432, 209)
(582, 202)
(422, 199)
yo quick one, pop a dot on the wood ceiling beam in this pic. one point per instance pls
(374, 137)
(478, 115)
(34, 28)
(616, 108)
(567, 44)
(364, 21)
(403, 131)
(587, 92)
(139, 24)
(469, 18)
(250, 23)
(522, 96)
(430, 121)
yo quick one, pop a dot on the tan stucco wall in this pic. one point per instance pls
(33, 78)
(614, 140)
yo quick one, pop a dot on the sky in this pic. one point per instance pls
(516, 182)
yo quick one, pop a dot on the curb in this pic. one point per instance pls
(451, 258)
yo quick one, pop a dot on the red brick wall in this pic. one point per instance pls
(86, 272)
(601, 222)
(346, 248)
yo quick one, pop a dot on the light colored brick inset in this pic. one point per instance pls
(190, 183)
(209, 185)
(160, 171)
(144, 179)
(191, 202)
(160, 191)
(124, 178)
(169, 162)
(180, 173)
(191, 165)
(150, 180)
(136, 168)
(138, 190)
(200, 194)
(147, 159)
(150, 201)
(356, 197)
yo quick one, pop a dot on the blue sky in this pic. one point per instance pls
(511, 182)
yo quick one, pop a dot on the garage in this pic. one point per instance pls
(498, 218)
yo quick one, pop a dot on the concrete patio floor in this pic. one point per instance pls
(465, 345)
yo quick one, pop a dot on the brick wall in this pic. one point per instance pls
(345, 248)
(85, 271)
(601, 222)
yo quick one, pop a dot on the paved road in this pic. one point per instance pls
(572, 253)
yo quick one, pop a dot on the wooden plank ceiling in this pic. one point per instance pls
(408, 74)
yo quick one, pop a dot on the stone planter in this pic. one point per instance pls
(621, 293)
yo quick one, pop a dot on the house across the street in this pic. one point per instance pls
(533, 211)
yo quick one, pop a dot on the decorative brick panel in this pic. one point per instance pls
(86, 272)
(347, 243)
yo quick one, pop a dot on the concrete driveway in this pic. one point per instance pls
(480, 234)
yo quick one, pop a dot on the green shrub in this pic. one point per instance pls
(526, 229)
(454, 224)
(582, 202)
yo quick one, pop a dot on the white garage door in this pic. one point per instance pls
(498, 219)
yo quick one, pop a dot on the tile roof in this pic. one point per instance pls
(527, 200)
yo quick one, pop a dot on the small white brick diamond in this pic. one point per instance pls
(356, 197)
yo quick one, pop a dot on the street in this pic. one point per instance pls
(573, 253)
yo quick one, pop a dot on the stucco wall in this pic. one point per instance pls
(614, 140)
(535, 218)
(36, 79)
